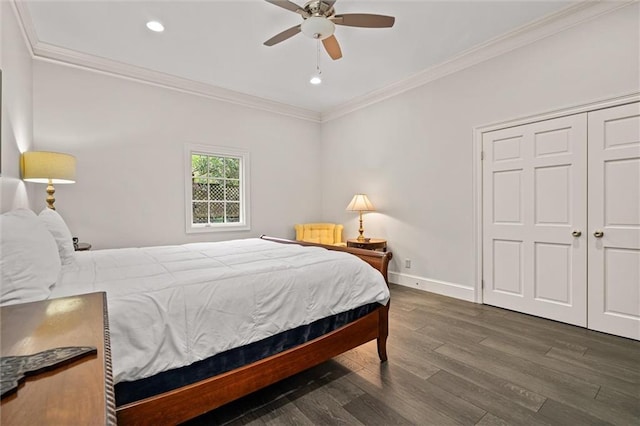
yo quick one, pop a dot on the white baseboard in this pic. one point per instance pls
(434, 286)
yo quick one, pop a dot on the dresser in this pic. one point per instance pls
(77, 393)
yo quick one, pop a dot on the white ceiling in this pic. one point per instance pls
(220, 42)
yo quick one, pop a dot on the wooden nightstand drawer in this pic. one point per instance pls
(372, 244)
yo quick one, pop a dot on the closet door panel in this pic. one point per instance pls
(614, 220)
(534, 197)
(505, 183)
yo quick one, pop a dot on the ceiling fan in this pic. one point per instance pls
(320, 21)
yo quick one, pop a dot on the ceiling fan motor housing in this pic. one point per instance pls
(319, 8)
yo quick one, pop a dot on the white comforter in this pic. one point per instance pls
(173, 305)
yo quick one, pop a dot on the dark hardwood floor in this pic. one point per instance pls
(453, 362)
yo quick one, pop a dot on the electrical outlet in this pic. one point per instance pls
(407, 263)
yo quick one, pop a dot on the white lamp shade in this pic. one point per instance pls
(42, 167)
(360, 203)
(317, 27)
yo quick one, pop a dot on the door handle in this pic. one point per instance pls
(598, 233)
(576, 233)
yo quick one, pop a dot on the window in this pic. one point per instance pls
(217, 190)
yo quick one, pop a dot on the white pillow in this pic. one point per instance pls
(29, 259)
(60, 231)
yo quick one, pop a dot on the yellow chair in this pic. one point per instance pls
(323, 233)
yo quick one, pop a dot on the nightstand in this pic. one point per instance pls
(82, 246)
(372, 244)
(77, 393)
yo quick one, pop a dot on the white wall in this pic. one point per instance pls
(413, 153)
(129, 137)
(17, 122)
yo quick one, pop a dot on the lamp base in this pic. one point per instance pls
(50, 198)
(361, 230)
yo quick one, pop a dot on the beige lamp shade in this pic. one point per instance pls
(48, 167)
(360, 203)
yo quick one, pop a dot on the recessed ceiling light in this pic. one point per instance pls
(155, 26)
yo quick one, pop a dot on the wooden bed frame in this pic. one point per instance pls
(193, 400)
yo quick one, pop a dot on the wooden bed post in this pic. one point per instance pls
(383, 333)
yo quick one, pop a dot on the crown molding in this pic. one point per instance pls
(45, 51)
(26, 24)
(547, 26)
(67, 56)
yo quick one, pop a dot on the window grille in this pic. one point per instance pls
(217, 190)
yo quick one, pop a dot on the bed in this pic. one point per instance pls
(262, 275)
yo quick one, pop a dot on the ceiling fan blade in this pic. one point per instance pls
(283, 36)
(365, 20)
(289, 6)
(332, 47)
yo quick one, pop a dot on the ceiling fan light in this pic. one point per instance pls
(315, 79)
(317, 27)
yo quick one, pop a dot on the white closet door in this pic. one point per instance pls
(534, 198)
(614, 210)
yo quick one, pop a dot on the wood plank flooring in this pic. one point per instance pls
(457, 363)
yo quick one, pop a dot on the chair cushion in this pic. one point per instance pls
(323, 233)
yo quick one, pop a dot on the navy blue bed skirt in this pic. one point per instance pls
(127, 392)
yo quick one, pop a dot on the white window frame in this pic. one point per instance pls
(244, 224)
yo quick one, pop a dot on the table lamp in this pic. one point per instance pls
(360, 203)
(49, 168)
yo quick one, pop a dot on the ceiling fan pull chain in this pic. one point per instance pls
(316, 78)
